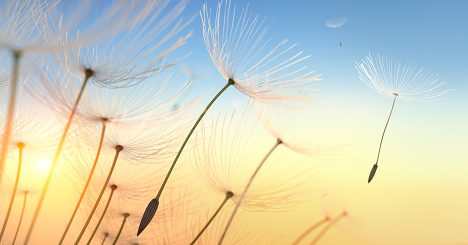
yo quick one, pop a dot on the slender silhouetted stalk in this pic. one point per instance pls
(15, 187)
(85, 188)
(125, 217)
(118, 149)
(310, 230)
(229, 194)
(10, 110)
(374, 168)
(154, 203)
(106, 235)
(327, 228)
(113, 188)
(88, 74)
(25, 201)
(246, 189)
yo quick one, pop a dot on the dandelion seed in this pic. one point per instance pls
(33, 131)
(405, 82)
(118, 150)
(254, 175)
(126, 106)
(104, 238)
(128, 188)
(137, 145)
(264, 72)
(336, 24)
(229, 195)
(137, 47)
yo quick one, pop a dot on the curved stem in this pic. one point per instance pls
(229, 83)
(103, 189)
(85, 188)
(25, 200)
(10, 110)
(327, 228)
(103, 214)
(246, 189)
(385, 129)
(56, 158)
(211, 219)
(151, 209)
(15, 188)
(125, 216)
(310, 230)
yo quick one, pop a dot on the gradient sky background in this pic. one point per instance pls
(418, 196)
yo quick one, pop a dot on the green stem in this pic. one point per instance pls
(229, 83)
(310, 230)
(118, 149)
(88, 74)
(385, 129)
(151, 209)
(246, 189)
(228, 196)
(113, 188)
(15, 188)
(25, 200)
(85, 188)
(10, 110)
(125, 216)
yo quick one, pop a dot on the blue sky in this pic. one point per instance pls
(433, 34)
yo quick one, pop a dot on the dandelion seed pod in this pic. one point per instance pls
(241, 50)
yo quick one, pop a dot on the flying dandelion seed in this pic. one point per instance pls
(141, 52)
(128, 183)
(34, 132)
(394, 80)
(279, 136)
(138, 145)
(248, 61)
(337, 23)
(233, 139)
(133, 106)
(105, 235)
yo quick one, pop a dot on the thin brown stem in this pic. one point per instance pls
(327, 228)
(118, 149)
(310, 230)
(106, 235)
(229, 194)
(10, 110)
(125, 217)
(15, 188)
(153, 205)
(25, 200)
(113, 188)
(246, 189)
(88, 74)
(85, 188)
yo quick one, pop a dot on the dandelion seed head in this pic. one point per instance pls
(406, 81)
(336, 22)
(237, 43)
(226, 153)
